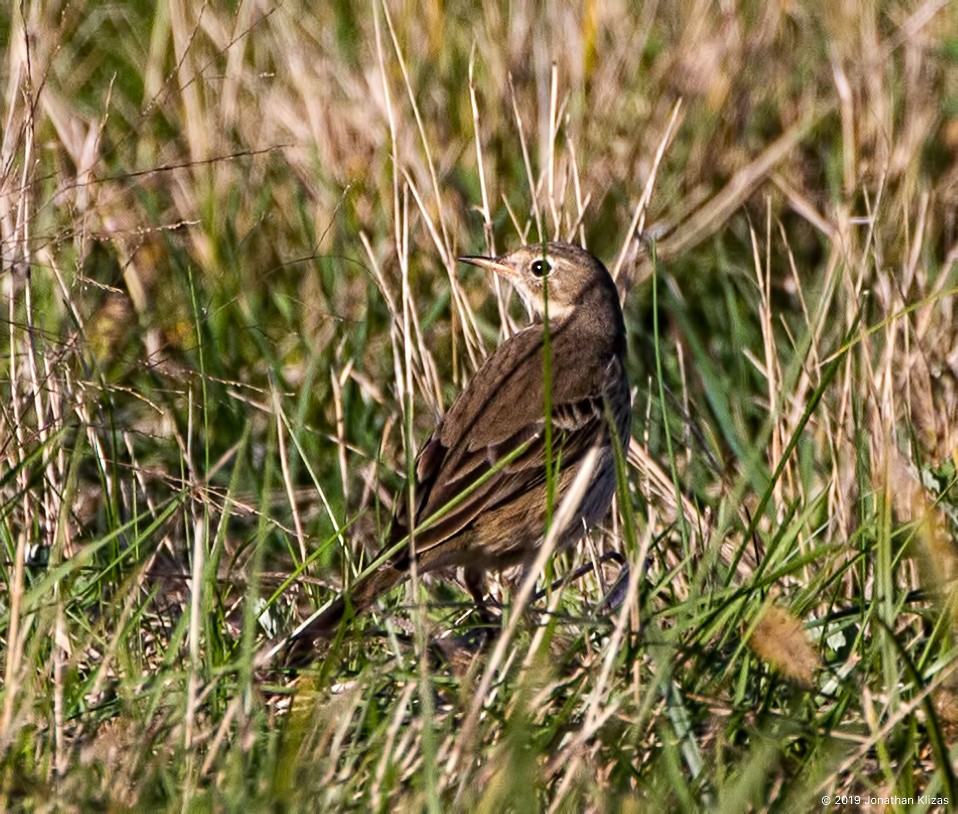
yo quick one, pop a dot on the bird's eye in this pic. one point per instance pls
(541, 268)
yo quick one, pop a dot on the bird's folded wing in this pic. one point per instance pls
(468, 481)
(490, 447)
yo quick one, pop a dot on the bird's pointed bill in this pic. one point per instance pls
(490, 264)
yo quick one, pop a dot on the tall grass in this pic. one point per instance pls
(233, 312)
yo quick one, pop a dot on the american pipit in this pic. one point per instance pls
(481, 487)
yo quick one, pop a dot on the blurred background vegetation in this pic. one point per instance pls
(228, 235)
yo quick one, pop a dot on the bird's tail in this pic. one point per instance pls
(302, 644)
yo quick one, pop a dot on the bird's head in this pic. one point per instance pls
(569, 274)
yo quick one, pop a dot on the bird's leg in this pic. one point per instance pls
(613, 600)
(476, 584)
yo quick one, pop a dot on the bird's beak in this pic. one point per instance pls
(491, 264)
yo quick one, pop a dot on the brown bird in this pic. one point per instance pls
(481, 487)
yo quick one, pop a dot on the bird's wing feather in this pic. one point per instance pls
(491, 421)
(475, 490)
